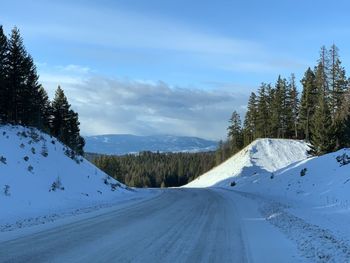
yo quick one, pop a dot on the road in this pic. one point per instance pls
(180, 225)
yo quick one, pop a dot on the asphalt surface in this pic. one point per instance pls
(180, 225)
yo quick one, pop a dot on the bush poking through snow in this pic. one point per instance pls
(303, 172)
(233, 184)
(34, 135)
(272, 176)
(26, 158)
(44, 150)
(3, 159)
(7, 190)
(57, 185)
(33, 150)
(343, 159)
(113, 185)
(30, 168)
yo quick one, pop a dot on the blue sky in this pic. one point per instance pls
(178, 67)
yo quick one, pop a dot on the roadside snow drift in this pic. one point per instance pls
(39, 175)
(263, 155)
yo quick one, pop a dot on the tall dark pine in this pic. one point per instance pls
(338, 81)
(235, 133)
(263, 118)
(17, 69)
(293, 105)
(4, 96)
(36, 101)
(250, 120)
(65, 123)
(60, 113)
(343, 123)
(280, 111)
(309, 100)
(322, 139)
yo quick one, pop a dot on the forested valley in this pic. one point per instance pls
(148, 169)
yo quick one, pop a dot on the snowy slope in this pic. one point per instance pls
(32, 163)
(267, 155)
(306, 198)
(120, 144)
(323, 181)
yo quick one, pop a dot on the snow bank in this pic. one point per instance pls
(38, 176)
(263, 155)
(321, 181)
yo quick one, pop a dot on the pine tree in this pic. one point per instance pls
(33, 91)
(338, 83)
(309, 100)
(279, 109)
(4, 99)
(293, 105)
(60, 112)
(65, 123)
(17, 63)
(323, 71)
(341, 124)
(263, 118)
(322, 135)
(250, 120)
(219, 154)
(235, 133)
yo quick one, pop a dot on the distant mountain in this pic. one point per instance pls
(120, 144)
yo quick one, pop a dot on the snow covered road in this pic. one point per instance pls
(179, 225)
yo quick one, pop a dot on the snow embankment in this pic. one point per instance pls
(40, 176)
(263, 155)
(307, 198)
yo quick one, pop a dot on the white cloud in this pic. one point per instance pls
(122, 106)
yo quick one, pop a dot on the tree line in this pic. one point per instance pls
(24, 101)
(321, 115)
(148, 169)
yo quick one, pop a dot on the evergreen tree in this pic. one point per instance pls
(4, 96)
(322, 71)
(235, 133)
(309, 100)
(17, 64)
(342, 123)
(322, 135)
(250, 120)
(263, 118)
(338, 81)
(279, 109)
(293, 105)
(65, 123)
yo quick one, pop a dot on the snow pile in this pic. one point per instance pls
(263, 155)
(306, 198)
(39, 175)
(323, 181)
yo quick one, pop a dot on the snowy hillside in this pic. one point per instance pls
(39, 175)
(120, 144)
(263, 155)
(307, 199)
(323, 181)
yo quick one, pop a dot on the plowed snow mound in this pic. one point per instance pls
(268, 155)
(38, 174)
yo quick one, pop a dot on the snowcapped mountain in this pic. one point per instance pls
(120, 144)
(38, 174)
(263, 155)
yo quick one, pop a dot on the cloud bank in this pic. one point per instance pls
(107, 105)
